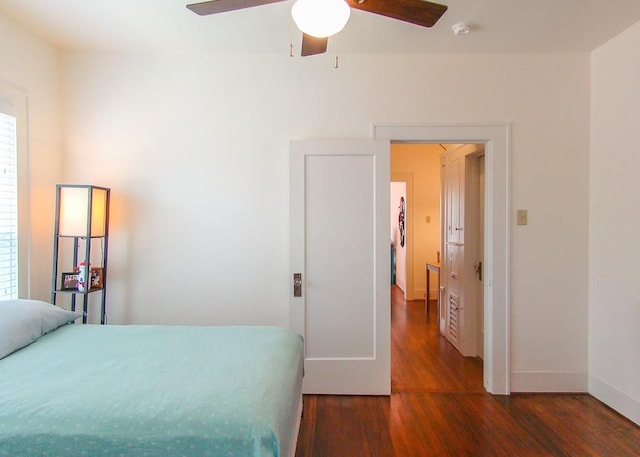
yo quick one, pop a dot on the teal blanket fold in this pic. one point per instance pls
(134, 391)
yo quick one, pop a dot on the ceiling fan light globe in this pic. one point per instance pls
(320, 18)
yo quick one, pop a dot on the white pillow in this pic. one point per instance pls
(24, 321)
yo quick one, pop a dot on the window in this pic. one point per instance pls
(8, 208)
(14, 194)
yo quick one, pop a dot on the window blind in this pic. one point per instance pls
(8, 208)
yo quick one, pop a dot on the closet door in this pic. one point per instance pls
(462, 249)
(453, 175)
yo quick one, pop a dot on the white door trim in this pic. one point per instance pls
(496, 138)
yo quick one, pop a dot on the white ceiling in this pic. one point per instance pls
(499, 26)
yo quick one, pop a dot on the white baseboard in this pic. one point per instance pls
(420, 294)
(614, 398)
(549, 381)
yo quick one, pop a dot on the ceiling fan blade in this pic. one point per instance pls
(222, 6)
(417, 12)
(312, 45)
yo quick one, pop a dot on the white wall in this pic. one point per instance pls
(398, 190)
(614, 217)
(31, 66)
(195, 147)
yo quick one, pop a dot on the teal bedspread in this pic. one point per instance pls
(88, 390)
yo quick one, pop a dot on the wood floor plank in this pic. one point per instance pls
(439, 408)
(345, 426)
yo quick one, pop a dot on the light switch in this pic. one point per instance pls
(522, 217)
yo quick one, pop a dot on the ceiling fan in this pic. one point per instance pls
(418, 12)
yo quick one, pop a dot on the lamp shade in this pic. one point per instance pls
(82, 210)
(320, 18)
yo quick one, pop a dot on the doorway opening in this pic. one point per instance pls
(437, 323)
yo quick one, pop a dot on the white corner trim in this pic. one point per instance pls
(615, 398)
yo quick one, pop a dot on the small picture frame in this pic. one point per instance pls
(97, 276)
(70, 281)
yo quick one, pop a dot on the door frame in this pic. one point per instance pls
(496, 138)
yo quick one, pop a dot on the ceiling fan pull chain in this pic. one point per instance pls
(335, 48)
(290, 36)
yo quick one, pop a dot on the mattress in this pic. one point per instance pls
(88, 390)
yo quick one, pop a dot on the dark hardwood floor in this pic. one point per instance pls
(439, 408)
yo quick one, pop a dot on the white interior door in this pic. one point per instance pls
(453, 259)
(339, 242)
(463, 174)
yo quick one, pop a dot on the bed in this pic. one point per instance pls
(89, 390)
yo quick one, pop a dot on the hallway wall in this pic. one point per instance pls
(398, 190)
(422, 163)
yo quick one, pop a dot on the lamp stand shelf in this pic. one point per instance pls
(81, 219)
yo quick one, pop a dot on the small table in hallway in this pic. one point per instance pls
(435, 267)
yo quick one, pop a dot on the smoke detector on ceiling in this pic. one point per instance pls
(461, 28)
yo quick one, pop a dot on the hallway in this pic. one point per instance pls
(422, 360)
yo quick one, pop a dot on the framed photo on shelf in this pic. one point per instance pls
(96, 277)
(69, 281)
